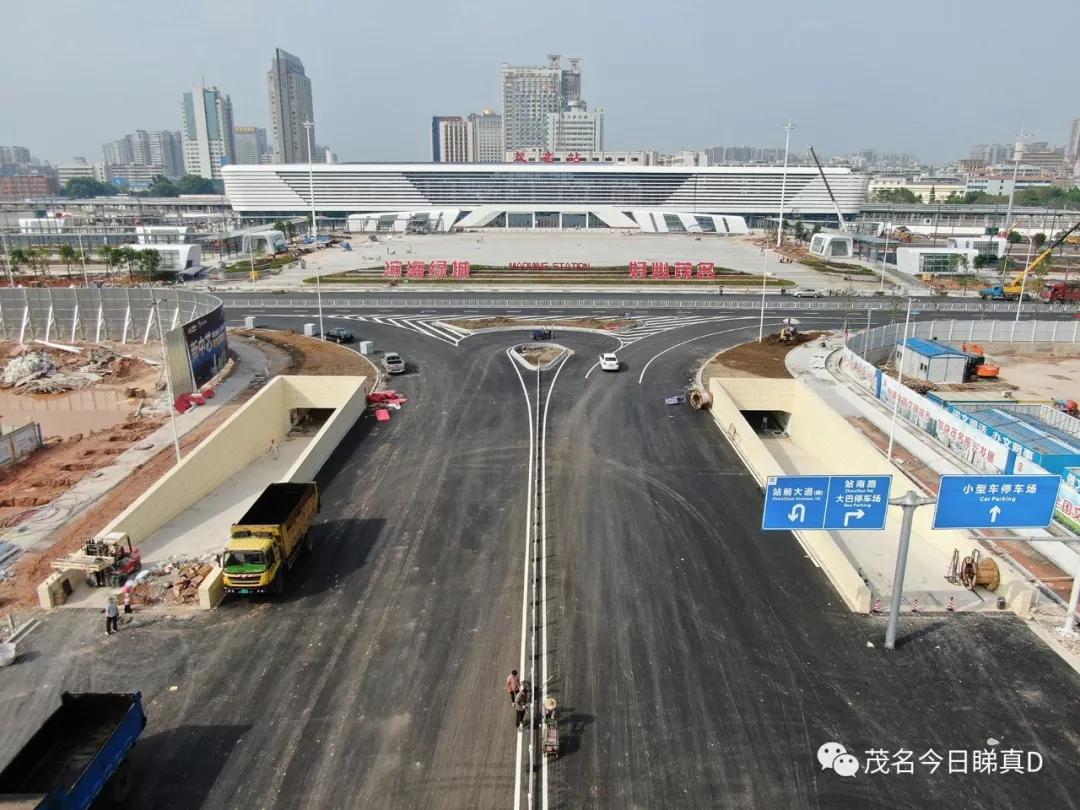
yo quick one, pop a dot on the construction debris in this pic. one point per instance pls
(33, 372)
(175, 582)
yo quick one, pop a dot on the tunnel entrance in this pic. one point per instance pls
(767, 422)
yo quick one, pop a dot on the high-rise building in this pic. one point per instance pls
(530, 94)
(476, 138)
(117, 152)
(575, 129)
(18, 155)
(1072, 146)
(290, 107)
(451, 139)
(992, 154)
(139, 142)
(485, 129)
(167, 151)
(207, 132)
(250, 145)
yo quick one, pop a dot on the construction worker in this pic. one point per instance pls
(112, 617)
(513, 684)
(521, 705)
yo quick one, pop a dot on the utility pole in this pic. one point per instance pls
(783, 181)
(82, 258)
(909, 503)
(7, 260)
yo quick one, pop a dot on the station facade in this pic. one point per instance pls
(443, 197)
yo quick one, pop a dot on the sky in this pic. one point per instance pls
(929, 78)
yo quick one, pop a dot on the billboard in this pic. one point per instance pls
(207, 345)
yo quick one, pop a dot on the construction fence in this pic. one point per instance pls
(193, 323)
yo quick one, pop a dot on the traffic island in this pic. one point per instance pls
(539, 356)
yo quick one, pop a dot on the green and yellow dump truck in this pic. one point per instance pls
(266, 541)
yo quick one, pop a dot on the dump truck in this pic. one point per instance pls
(266, 541)
(76, 755)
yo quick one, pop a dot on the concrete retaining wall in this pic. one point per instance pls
(838, 448)
(244, 437)
(779, 395)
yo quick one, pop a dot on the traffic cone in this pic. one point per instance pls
(915, 606)
(877, 606)
(952, 604)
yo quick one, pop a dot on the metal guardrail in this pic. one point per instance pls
(616, 304)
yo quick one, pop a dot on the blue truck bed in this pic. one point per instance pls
(67, 763)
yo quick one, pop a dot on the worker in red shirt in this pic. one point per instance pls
(513, 684)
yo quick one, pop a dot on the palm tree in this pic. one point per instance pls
(67, 255)
(108, 256)
(16, 259)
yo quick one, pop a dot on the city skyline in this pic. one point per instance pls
(702, 99)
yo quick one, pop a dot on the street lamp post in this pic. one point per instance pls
(764, 277)
(884, 260)
(168, 380)
(308, 125)
(899, 380)
(783, 181)
(82, 258)
(7, 260)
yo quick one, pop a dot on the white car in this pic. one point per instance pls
(393, 363)
(609, 362)
(806, 293)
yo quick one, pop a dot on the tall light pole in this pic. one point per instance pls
(7, 260)
(1018, 151)
(82, 258)
(308, 125)
(764, 277)
(168, 380)
(884, 260)
(783, 180)
(899, 380)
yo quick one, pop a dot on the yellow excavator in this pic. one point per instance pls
(1018, 287)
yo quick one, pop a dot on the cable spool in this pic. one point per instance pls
(700, 400)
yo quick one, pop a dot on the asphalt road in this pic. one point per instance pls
(697, 662)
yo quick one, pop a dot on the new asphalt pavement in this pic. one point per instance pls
(697, 662)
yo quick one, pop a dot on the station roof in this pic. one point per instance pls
(931, 348)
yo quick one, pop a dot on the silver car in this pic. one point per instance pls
(393, 363)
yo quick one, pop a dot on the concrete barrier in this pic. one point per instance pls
(56, 587)
(778, 395)
(211, 589)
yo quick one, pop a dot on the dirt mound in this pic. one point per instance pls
(765, 359)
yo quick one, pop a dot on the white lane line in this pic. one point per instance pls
(591, 369)
(525, 582)
(691, 340)
(543, 574)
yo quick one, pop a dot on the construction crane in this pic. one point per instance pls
(828, 188)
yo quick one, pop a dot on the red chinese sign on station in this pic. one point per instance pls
(417, 269)
(666, 270)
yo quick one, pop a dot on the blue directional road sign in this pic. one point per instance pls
(852, 502)
(996, 501)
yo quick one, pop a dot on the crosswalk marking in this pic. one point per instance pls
(437, 327)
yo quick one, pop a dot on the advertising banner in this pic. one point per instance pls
(207, 345)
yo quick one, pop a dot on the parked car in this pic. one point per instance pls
(541, 334)
(609, 362)
(338, 335)
(806, 292)
(393, 363)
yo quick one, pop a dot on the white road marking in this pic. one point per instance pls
(592, 368)
(543, 573)
(525, 582)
